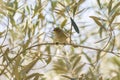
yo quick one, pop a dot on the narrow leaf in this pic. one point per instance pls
(74, 9)
(76, 61)
(62, 4)
(28, 67)
(74, 25)
(115, 7)
(101, 31)
(80, 2)
(63, 23)
(98, 1)
(109, 6)
(79, 68)
(16, 66)
(114, 16)
(97, 22)
(66, 76)
(88, 58)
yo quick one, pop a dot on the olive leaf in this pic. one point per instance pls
(74, 25)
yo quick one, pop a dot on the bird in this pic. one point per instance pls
(60, 36)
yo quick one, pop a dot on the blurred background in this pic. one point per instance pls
(28, 50)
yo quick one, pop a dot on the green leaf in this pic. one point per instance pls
(115, 7)
(59, 68)
(5, 55)
(16, 4)
(1, 33)
(114, 16)
(100, 31)
(98, 56)
(96, 19)
(98, 1)
(74, 25)
(72, 57)
(12, 20)
(16, 68)
(34, 75)
(75, 9)
(109, 6)
(79, 68)
(76, 61)
(53, 4)
(68, 77)
(80, 2)
(63, 23)
(87, 57)
(62, 4)
(76, 6)
(28, 67)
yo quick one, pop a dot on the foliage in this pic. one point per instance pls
(28, 50)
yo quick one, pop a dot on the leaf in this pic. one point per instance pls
(12, 20)
(109, 6)
(62, 4)
(74, 9)
(88, 58)
(113, 44)
(29, 32)
(66, 76)
(77, 4)
(53, 4)
(74, 25)
(33, 75)
(63, 23)
(28, 67)
(1, 33)
(72, 57)
(81, 11)
(100, 31)
(76, 61)
(79, 68)
(16, 4)
(115, 7)
(26, 45)
(48, 60)
(16, 66)
(2, 47)
(59, 68)
(97, 22)
(114, 16)
(98, 1)
(115, 61)
(98, 56)
(5, 55)
(80, 2)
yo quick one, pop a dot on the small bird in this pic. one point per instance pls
(60, 36)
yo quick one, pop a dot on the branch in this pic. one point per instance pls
(71, 44)
(74, 45)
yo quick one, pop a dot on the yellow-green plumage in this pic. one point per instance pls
(60, 36)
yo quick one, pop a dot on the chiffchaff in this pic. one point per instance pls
(60, 36)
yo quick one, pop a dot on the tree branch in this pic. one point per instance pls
(71, 44)
(74, 45)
